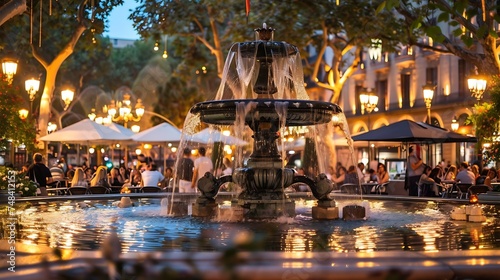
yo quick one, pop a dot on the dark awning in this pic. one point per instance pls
(410, 131)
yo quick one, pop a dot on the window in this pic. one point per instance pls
(463, 88)
(382, 95)
(405, 89)
(359, 90)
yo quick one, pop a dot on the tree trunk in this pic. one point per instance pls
(12, 9)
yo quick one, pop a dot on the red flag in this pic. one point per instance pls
(247, 6)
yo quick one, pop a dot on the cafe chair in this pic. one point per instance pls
(150, 189)
(477, 189)
(99, 190)
(350, 188)
(380, 188)
(463, 189)
(77, 190)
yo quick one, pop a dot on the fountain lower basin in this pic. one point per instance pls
(400, 237)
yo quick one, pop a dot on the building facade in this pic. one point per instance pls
(398, 79)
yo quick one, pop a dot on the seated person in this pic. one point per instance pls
(372, 176)
(100, 178)
(57, 173)
(381, 177)
(351, 177)
(426, 179)
(484, 178)
(465, 176)
(115, 178)
(151, 177)
(339, 180)
(79, 179)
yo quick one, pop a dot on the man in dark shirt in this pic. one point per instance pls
(39, 173)
(185, 172)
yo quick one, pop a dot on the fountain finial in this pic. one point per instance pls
(265, 33)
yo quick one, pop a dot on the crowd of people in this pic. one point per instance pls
(443, 177)
(64, 175)
(437, 179)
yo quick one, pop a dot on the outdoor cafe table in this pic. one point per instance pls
(367, 187)
(451, 186)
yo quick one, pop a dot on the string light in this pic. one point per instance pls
(165, 54)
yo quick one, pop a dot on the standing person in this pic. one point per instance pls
(184, 172)
(361, 172)
(228, 170)
(202, 165)
(166, 184)
(39, 173)
(151, 177)
(415, 168)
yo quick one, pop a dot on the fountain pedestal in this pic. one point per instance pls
(325, 210)
(269, 69)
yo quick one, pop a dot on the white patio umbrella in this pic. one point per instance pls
(120, 128)
(209, 136)
(86, 132)
(161, 134)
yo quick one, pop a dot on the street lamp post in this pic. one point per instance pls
(477, 86)
(369, 102)
(9, 68)
(67, 96)
(428, 90)
(32, 86)
(454, 124)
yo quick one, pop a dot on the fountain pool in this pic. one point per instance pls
(398, 237)
(392, 225)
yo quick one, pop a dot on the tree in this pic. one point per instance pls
(175, 99)
(58, 33)
(13, 128)
(11, 9)
(467, 29)
(346, 29)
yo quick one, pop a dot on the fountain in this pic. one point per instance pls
(267, 71)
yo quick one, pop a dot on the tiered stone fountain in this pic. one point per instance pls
(264, 177)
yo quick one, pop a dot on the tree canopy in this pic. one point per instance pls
(212, 26)
(473, 22)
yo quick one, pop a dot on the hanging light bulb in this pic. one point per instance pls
(156, 47)
(165, 53)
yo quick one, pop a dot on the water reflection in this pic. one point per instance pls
(391, 226)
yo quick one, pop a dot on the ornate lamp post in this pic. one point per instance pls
(9, 68)
(32, 86)
(67, 96)
(135, 128)
(375, 49)
(477, 86)
(122, 110)
(23, 114)
(51, 127)
(428, 90)
(454, 124)
(369, 102)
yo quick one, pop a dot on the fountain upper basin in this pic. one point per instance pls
(298, 112)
